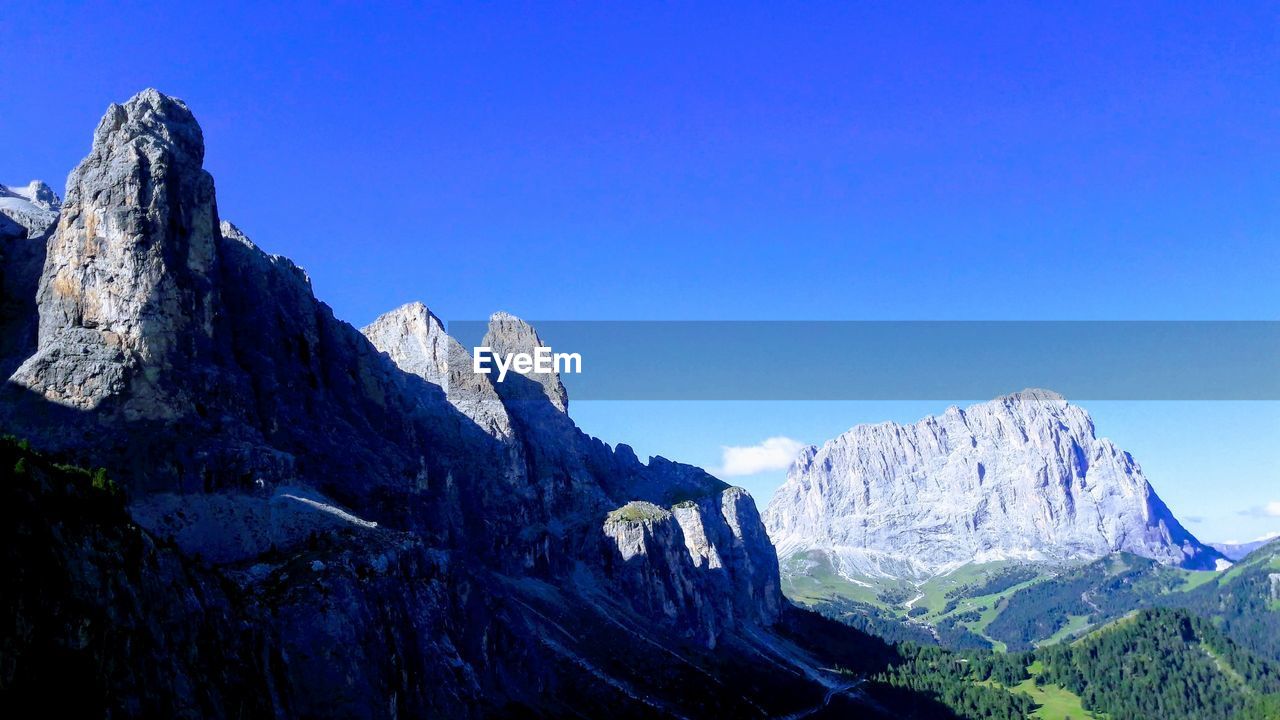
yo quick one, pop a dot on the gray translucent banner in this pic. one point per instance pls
(898, 360)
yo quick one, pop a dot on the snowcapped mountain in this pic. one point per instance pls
(1022, 477)
(28, 215)
(33, 206)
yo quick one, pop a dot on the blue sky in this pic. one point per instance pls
(730, 161)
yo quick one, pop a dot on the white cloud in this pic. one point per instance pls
(1261, 538)
(1271, 509)
(775, 453)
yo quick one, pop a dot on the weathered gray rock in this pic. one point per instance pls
(653, 569)
(572, 474)
(129, 286)
(1023, 477)
(703, 565)
(723, 533)
(752, 560)
(417, 343)
(509, 334)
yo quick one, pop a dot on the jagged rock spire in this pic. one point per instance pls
(509, 334)
(129, 275)
(416, 341)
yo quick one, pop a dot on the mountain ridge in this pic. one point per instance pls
(1237, 551)
(279, 450)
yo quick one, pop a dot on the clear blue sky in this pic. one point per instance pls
(729, 161)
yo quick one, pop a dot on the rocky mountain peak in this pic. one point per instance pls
(33, 207)
(150, 120)
(509, 334)
(36, 192)
(416, 341)
(42, 195)
(1024, 476)
(130, 271)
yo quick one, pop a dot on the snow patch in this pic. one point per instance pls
(331, 510)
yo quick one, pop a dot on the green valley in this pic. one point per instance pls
(1018, 607)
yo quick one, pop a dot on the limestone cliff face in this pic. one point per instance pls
(509, 334)
(703, 565)
(723, 535)
(1023, 477)
(650, 565)
(393, 534)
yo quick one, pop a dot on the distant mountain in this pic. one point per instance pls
(1023, 477)
(34, 206)
(1239, 551)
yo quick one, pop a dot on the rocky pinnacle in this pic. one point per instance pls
(128, 279)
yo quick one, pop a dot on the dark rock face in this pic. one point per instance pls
(27, 219)
(99, 619)
(359, 533)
